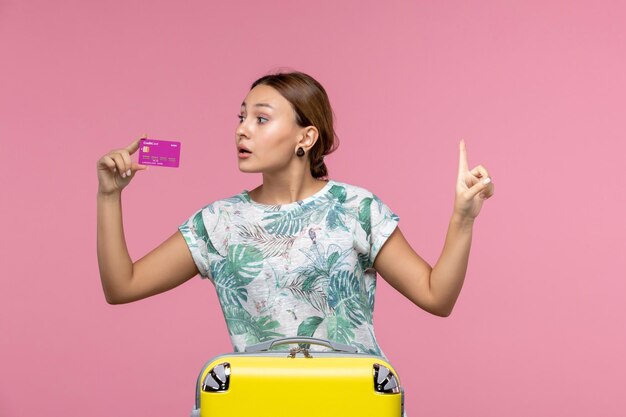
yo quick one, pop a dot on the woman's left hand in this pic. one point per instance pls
(472, 187)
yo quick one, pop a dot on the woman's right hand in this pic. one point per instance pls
(115, 169)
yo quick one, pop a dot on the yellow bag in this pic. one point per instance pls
(264, 383)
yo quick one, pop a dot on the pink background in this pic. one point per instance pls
(536, 88)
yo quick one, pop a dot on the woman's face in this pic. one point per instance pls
(268, 129)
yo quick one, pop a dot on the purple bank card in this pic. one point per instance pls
(163, 153)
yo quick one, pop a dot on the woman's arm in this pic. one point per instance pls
(432, 289)
(437, 289)
(166, 267)
(446, 278)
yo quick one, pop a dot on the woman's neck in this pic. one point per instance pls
(285, 190)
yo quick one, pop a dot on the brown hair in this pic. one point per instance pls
(312, 107)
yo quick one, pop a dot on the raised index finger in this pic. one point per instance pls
(462, 157)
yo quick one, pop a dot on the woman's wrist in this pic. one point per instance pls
(114, 195)
(462, 220)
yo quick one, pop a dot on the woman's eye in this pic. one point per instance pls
(262, 120)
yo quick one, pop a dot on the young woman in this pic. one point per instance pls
(299, 254)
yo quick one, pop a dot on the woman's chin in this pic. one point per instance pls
(247, 170)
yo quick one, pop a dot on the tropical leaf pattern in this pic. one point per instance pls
(347, 298)
(311, 291)
(303, 268)
(269, 244)
(292, 221)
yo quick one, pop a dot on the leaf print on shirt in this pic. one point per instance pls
(269, 245)
(312, 293)
(338, 210)
(309, 290)
(347, 298)
(371, 294)
(339, 330)
(292, 222)
(257, 329)
(339, 192)
(369, 350)
(245, 261)
(375, 349)
(311, 283)
(362, 262)
(237, 318)
(381, 206)
(323, 262)
(365, 216)
(200, 231)
(262, 328)
(229, 289)
(233, 273)
(308, 328)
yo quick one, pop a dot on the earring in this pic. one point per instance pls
(300, 151)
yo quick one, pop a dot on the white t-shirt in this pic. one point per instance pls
(298, 269)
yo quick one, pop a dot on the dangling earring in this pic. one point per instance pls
(300, 151)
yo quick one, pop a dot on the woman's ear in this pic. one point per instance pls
(309, 138)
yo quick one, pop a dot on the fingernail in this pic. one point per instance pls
(128, 173)
(486, 180)
(123, 175)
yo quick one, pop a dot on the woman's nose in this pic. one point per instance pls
(241, 129)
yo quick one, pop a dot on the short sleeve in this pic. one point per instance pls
(194, 230)
(382, 222)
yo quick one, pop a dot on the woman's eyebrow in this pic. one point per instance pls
(258, 105)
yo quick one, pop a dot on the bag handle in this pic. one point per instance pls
(264, 346)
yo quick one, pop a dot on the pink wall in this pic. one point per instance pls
(535, 87)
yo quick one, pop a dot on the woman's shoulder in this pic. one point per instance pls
(353, 190)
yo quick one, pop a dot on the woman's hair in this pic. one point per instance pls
(312, 107)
